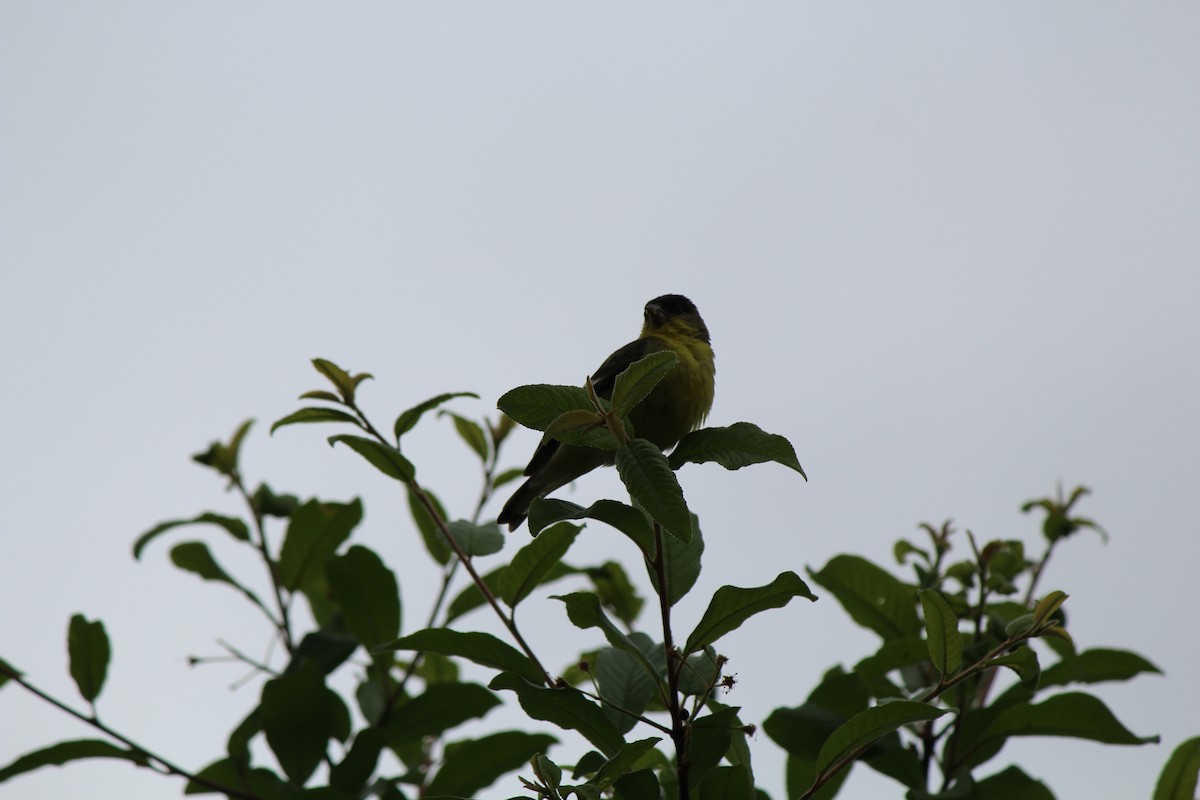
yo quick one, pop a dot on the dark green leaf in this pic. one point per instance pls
(709, 740)
(1074, 714)
(328, 649)
(566, 708)
(470, 432)
(345, 383)
(739, 445)
(321, 394)
(64, 752)
(235, 527)
(1096, 666)
(639, 785)
(873, 597)
(624, 684)
(650, 481)
(385, 459)
(624, 518)
(1010, 783)
(683, 563)
(269, 504)
(616, 591)
(477, 540)
(431, 534)
(508, 476)
(87, 645)
(195, 557)
(1178, 778)
(440, 707)
(352, 772)
(534, 561)
(299, 716)
(941, 631)
(640, 377)
(7, 672)
(867, 726)
(581, 427)
(314, 533)
(700, 673)
(482, 648)
(315, 415)
(622, 762)
(224, 457)
(367, 594)
(407, 420)
(584, 611)
(726, 783)
(539, 405)
(801, 773)
(731, 606)
(1024, 662)
(476, 764)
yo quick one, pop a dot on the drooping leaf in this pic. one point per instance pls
(640, 377)
(726, 783)
(584, 611)
(367, 594)
(328, 649)
(440, 707)
(624, 518)
(315, 414)
(1177, 781)
(89, 651)
(616, 591)
(475, 764)
(538, 405)
(624, 684)
(351, 774)
(470, 432)
(408, 419)
(1073, 714)
(564, 707)
(582, 427)
(683, 563)
(873, 597)
(871, 724)
(299, 716)
(470, 598)
(622, 762)
(638, 785)
(314, 533)
(1096, 666)
(1011, 782)
(65, 752)
(739, 445)
(196, 558)
(385, 459)
(534, 561)
(482, 648)
(431, 535)
(1024, 662)
(941, 633)
(650, 481)
(731, 606)
(709, 740)
(477, 540)
(232, 525)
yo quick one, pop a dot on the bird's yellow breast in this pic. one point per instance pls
(682, 399)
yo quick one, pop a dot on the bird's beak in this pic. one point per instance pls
(654, 314)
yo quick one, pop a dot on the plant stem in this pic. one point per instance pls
(674, 660)
(284, 623)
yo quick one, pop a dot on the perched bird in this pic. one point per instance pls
(678, 404)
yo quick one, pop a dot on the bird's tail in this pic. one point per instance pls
(517, 508)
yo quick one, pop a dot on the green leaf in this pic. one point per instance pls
(709, 740)
(87, 645)
(625, 684)
(327, 649)
(508, 476)
(1009, 783)
(477, 540)
(581, 427)
(1024, 662)
(472, 765)
(314, 533)
(566, 708)
(638, 785)
(299, 715)
(622, 762)
(873, 597)
(407, 420)
(344, 382)
(367, 593)
(867, 726)
(627, 519)
(616, 591)
(726, 783)
(7, 672)
(1178, 778)
(64, 752)
(470, 432)
(683, 563)
(584, 611)
(315, 414)
(739, 445)
(1073, 714)
(941, 631)
(699, 673)
(224, 457)
(440, 707)
(196, 558)
(385, 459)
(534, 561)
(731, 606)
(640, 377)
(352, 772)
(234, 526)
(539, 405)
(482, 648)
(1096, 666)
(650, 481)
(435, 541)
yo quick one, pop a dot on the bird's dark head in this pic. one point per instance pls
(677, 312)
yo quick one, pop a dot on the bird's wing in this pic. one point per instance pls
(603, 380)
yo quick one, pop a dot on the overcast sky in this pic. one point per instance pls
(950, 250)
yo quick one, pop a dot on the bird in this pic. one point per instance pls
(678, 404)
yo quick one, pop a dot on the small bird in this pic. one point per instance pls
(678, 404)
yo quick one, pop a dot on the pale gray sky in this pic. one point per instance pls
(952, 251)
